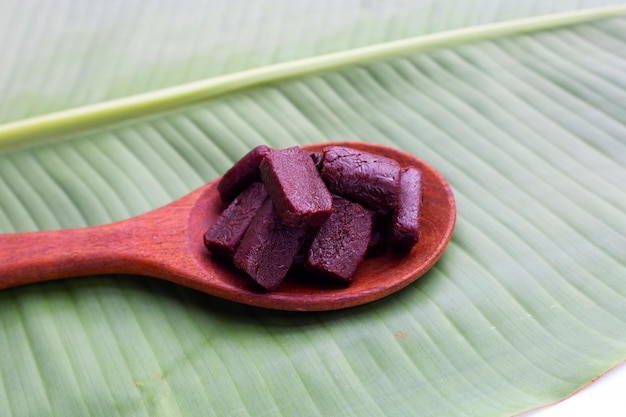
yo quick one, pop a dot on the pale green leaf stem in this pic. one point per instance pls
(24, 132)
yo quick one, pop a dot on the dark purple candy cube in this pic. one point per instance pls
(268, 248)
(224, 236)
(295, 187)
(341, 243)
(405, 225)
(369, 179)
(243, 173)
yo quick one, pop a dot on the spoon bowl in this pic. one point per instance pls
(167, 243)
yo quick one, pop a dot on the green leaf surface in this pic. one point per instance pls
(68, 53)
(526, 305)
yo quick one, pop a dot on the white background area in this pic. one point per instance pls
(604, 398)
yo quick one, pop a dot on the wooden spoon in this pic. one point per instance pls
(167, 243)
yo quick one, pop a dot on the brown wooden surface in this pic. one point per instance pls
(167, 243)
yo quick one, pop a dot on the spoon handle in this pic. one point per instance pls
(31, 257)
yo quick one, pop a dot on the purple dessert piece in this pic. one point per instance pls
(300, 259)
(243, 173)
(369, 179)
(341, 243)
(224, 236)
(405, 225)
(295, 187)
(268, 248)
(380, 235)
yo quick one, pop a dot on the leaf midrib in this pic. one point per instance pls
(31, 131)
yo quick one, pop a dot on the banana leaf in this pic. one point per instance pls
(115, 108)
